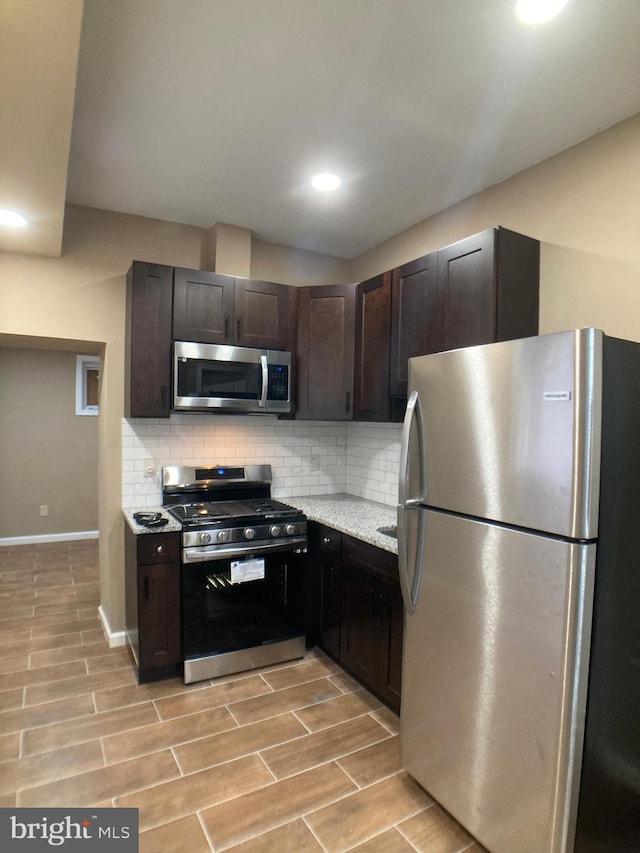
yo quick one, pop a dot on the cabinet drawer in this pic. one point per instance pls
(370, 559)
(158, 548)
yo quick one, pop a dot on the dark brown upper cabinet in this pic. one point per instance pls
(477, 291)
(212, 308)
(373, 328)
(265, 314)
(355, 341)
(148, 341)
(414, 318)
(488, 289)
(326, 339)
(203, 307)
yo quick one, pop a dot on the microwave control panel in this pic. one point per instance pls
(278, 382)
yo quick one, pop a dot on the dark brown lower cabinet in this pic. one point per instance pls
(328, 555)
(152, 609)
(360, 609)
(359, 640)
(391, 640)
(371, 634)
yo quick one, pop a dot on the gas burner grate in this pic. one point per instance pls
(268, 506)
(209, 511)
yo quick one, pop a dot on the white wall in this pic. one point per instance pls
(584, 207)
(48, 454)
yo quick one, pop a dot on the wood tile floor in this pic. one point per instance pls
(292, 758)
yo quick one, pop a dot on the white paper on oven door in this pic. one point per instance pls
(247, 570)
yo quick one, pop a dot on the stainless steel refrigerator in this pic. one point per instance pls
(519, 552)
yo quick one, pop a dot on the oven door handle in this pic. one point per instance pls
(205, 553)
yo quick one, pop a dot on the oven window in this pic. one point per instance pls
(219, 616)
(205, 378)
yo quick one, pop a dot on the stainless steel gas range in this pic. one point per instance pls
(243, 567)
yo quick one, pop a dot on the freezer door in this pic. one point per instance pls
(494, 680)
(512, 431)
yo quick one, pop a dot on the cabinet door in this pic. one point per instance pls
(326, 338)
(261, 314)
(329, 552)
(488, 289)
(152, 603)
(203, 307)
(467, 292)
(414, 318)
(158, 619)
(391, 639)
(373, 325)
(148, 341)
(360, 626)
(518, 285)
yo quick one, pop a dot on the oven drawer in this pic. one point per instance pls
(158, 548)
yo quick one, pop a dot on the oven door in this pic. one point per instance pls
(237, 379)
(242, 612)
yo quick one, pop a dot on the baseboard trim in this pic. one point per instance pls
(114, 638)
(49, 537)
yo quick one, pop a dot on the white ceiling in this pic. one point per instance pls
(205, 111)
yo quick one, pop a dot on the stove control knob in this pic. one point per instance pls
(204, 538)
(223, 536)
(249, 533)
(290, 529)
(275, 530)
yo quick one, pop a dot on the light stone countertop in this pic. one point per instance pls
(173, 525)
(354, 516)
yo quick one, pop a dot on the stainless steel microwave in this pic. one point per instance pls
(209, 377)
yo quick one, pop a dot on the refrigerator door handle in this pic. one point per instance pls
(413, 415)
(411, 588)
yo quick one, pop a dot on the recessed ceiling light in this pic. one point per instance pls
(326, 182)
(12, 219)
(537, 11)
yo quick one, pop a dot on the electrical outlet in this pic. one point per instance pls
(149, 467)
(44, 509)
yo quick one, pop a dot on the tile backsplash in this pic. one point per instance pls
(307, 457)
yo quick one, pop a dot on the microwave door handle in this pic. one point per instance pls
(262, 402)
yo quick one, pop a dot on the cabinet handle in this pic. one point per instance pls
(384, 607)
(239, 329)
(146, 588)
(226, 326)
(159, 549)
(376, 600)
